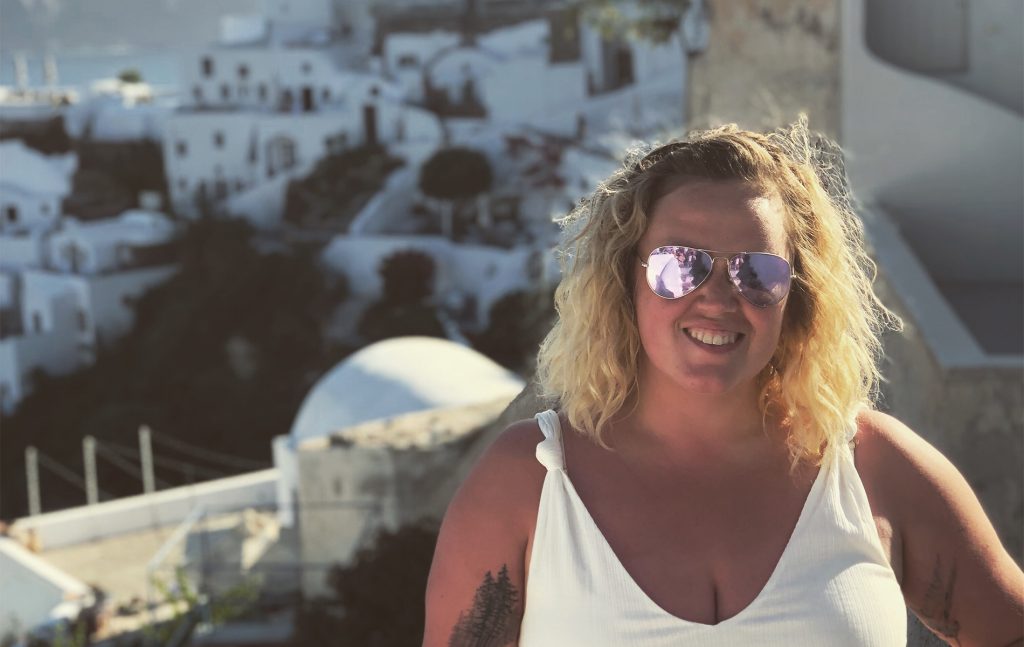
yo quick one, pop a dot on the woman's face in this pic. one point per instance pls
(728, 217)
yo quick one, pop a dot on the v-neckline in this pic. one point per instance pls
(810, 503)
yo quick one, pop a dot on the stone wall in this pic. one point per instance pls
(973, 415)
(767, 61)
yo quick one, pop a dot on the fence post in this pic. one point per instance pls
(89, 457)
(32, 475)
(146, 458)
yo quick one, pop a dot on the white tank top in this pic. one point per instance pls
(832, 586)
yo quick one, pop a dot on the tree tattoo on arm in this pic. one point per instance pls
(936, 611)
(493, 619)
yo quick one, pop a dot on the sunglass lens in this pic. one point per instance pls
(673, 272)
(763, 279)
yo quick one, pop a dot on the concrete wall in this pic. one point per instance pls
(379, 474)
(946, 164)
(111, 518)
(969, 404)
(976, 45)
(766, 61)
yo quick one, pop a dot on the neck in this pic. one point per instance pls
(664, 423)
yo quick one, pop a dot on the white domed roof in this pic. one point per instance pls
(397, 376)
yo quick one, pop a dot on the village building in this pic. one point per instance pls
(74, 292)
(275, 95)
(32, 187)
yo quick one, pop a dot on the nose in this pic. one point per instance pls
(718, 288)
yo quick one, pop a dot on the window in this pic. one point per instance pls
(225, 91)
(197, 94)
(243, 71)
(182, 184)
(220, 189)
(325, 94)
(263, 91)
(181, 147)
(37, 321)
(306, 67)
(44, 208)
(408, 60)
(83, 321)
(11, 214)
(218, 139)
(207, 64)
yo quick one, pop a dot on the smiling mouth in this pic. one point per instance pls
(714, 338)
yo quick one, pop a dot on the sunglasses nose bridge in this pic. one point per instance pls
(730, 283)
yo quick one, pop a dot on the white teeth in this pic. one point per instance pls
(711, 337)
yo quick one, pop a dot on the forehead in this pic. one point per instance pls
(718, 215)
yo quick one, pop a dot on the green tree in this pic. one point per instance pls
(130, 75)
(408, 277)
(455, 173)
(338, 187)
(377, 601)
(517, 323)
(404, 308)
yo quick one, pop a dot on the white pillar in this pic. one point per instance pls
(146, 460)
(32, 474)
(89, 457)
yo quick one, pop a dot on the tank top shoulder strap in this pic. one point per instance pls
(550, 451)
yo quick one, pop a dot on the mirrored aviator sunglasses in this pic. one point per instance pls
(761, 278)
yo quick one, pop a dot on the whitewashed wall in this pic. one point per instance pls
(485, 272)
(529, 90)
(405, 56)
(309, 133)
(100, 243)
(110, 298)
(24, 250)
(31, 588)
(34, 210)
(909, 141)
(54, 349)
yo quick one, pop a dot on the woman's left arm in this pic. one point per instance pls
(957, 576)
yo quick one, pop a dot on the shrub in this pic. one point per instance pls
(455, 173)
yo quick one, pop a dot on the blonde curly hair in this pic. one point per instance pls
(825, 366)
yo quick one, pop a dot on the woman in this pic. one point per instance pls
(715, 474)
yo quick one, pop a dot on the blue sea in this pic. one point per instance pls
(78, 69)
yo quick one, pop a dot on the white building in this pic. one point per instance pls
(376, 384)
(32, 187)
(274, 96)
(132, 239)
(67, 291)
(553, 74)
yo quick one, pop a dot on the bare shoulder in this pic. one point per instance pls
(957, 576)
(912, 481)
(508, 473)
(478, 571)
(891, 456)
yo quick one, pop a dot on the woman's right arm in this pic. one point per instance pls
(475, 592)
